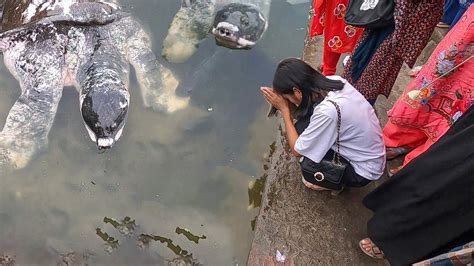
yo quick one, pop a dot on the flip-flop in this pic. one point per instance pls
(442, 25)
(394, 152)
(394, 170)
(374, 251)
(414, 71)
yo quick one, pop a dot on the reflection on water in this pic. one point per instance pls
(255, 191)
(191, 168)
(256, 187)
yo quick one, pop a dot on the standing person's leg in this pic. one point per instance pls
(330, 60)
(462, 8)
(417, 151)
(400, 140)
(451, 8)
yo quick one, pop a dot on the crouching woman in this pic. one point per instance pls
(336, 134)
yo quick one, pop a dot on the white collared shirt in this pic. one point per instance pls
(361, 141)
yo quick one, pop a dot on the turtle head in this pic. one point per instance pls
(104, 112)
(238, 26)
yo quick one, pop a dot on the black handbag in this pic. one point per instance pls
(327, 173)
(370, 14)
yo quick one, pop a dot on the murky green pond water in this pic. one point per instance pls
(168, 177)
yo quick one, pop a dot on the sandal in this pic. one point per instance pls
(414, 71)
(374, 251)
(393, 170)
(442, 25)
(394, 152)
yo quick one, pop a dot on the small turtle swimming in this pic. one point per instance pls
(235, 24)
(49, 44)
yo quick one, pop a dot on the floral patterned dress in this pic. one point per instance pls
(339, 37)
(441, 93)
(414, 24)
(329, 20)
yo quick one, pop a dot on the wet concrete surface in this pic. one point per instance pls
(317, 228)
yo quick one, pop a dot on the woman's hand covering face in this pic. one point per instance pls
(275, 99)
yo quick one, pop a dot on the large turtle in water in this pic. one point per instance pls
(235, 24)
(49, 44)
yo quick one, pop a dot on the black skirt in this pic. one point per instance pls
(428, 207)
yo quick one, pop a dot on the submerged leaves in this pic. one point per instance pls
(127, 227)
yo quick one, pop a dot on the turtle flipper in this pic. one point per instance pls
(190, 26)
(157, 83)
(28, 124)
(38, 66)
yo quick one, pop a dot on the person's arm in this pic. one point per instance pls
(291, 134)
(282, 105)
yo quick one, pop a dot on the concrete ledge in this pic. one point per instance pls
(308, 227)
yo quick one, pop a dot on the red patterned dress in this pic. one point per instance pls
(339, 37)
(440, 94)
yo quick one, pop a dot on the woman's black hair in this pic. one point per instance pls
(295, 73)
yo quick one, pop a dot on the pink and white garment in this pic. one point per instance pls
(438, 96)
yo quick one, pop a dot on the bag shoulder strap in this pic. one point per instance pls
(337, 158)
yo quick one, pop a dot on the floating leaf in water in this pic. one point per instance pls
(125, 227)
(190, 236)
(111, 221)
(145, 239)
(110, 242)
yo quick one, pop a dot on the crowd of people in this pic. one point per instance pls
(424, 212)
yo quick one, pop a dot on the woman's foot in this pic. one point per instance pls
(393, 170)
(318, 188)
(369, 248)
(313, 186)
(392, 152)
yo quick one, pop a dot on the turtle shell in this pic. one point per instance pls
(21, 13)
